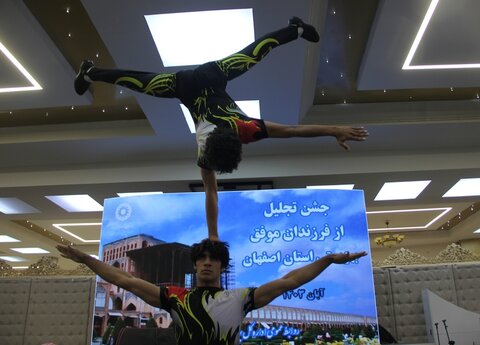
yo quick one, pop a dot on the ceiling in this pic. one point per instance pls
(423, 123)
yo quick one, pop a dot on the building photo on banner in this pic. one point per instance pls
(269, 232)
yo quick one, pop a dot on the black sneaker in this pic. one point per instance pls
(309, 32)
(81, 85)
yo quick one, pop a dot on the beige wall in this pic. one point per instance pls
(472, 245)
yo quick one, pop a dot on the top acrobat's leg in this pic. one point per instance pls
(238, 63)
(154, 84)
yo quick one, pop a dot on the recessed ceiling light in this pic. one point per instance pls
(445, 66)
(16, 206)
(477, 231)
(7, 239)
(464, 187)
(416, 43)
(137, 193)
(76, 203)
(198, 37)
(401, 190)
(61, 227)
(33, 250)
(35, 85)
(332, 186)
(12, 258)
(251, 108)
(443, 211)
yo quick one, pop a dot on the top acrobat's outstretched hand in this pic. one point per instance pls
(344, 133)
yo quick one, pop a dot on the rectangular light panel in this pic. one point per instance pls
(332, 186)
(7, 239)
(62, 227)
(401, 190)
(12, 258)
(76, 203)
(464, 187)
(442, 211)
(416, 42)
(137, 193)
(34, 84)
(193, 38)
(33, 250)
(16, 206)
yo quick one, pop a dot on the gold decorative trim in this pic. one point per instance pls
(81, 270)
(5, 269)
(46, 266)
(455, 253)
(452, 253)
(404, 257)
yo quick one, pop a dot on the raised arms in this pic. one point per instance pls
(149, 292)
(211, 202)
(296, 278)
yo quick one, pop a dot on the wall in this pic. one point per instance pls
(399, 295)
(46, 309)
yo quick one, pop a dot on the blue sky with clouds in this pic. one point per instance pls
(270, 232)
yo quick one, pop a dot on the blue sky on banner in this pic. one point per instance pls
(270, 232)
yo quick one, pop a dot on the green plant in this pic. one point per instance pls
(107, 333)
(151, 323)
(116, 329)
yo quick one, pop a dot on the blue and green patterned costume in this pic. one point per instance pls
(203, 89)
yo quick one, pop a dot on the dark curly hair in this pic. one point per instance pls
(218, 250)
(223, 150)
